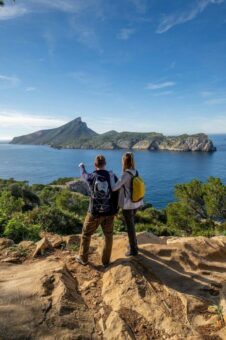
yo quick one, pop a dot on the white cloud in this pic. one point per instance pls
(10, 12)
(179, 18)
(157, 86)
(125, 33)
(8, 81)
(15, 120)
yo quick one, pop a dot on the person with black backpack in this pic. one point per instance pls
(102, 209)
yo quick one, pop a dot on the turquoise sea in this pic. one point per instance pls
(160, 170)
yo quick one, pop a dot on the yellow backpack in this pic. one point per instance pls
(137, 187)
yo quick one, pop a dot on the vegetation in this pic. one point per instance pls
(25, 211)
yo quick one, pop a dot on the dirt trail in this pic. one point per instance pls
(175, 289)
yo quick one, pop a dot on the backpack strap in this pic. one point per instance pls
(129, 172)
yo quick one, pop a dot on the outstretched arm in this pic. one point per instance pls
(84, 174)
(122, 181)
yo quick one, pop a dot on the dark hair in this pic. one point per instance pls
(100, 161)
(128, 161)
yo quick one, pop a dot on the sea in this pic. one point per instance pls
(161, 170)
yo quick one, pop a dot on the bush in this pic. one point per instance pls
(72, 202)
(19, 229)
(54, 220)
(48, 195)
(151, 215)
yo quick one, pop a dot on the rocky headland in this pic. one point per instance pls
(76, 134)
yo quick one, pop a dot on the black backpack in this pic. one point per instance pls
(101, 194)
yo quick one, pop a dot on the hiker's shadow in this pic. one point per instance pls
(173, 275)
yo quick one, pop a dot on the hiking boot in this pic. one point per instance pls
(131, 253)
(80, 260)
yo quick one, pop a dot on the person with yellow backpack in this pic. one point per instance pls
(131, 194)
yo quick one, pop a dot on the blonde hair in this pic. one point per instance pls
(128, 161)
(100, 161)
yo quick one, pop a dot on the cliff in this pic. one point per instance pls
(76, 134)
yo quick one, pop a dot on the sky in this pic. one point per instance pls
(127, 65)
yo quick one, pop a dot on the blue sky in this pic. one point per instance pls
(135, 65)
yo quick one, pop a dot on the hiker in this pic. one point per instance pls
(101, 211)
(131, 196)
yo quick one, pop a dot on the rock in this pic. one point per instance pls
(124, 144)
(199, 142)
(11, 259)
(79, 186)
(157, 292)
(56, 240)
(102, 311)
(173, 290)
(109, 146)
(42, 246)
(88, 284)
(142, 145)
(71, 240)
(27, 245)
(148, 238)
(101, 324)
(5, 243)
(117, 329)
(40, 301)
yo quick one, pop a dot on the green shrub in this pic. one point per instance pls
(54, 220)
(72, 202)
(150, 215)
(19, 229)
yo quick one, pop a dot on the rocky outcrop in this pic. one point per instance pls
(42, 246)
(79, 186)
(199, 142)
(40, 301)
(175, 289)
(185, 143)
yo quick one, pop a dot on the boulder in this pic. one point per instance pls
(42, 246)
(79, 186)
(117, 329)
(56, 240)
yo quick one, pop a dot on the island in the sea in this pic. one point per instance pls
(77, 135)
